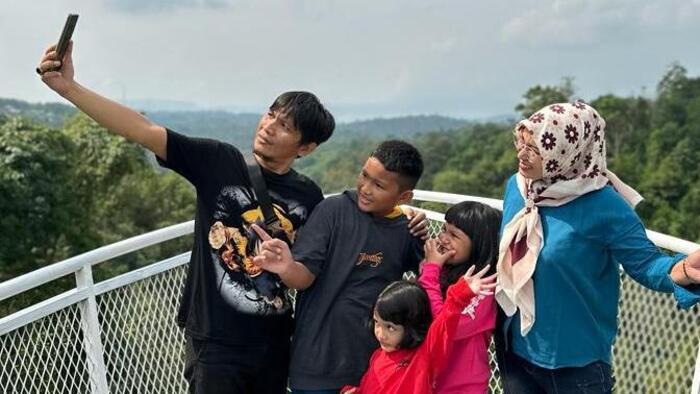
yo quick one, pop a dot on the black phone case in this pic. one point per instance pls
(66, 34)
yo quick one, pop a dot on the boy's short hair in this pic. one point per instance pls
(405, 303)
(402, 158)
(310, 117)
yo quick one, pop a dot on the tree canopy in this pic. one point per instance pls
(71, 188)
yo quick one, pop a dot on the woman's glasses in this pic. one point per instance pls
(530, 150)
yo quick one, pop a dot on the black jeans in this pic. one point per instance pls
(212, 368)
(521, 377)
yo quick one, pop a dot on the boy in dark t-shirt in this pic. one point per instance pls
(353, 245)
(237, 336)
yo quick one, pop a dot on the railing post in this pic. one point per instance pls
(696, 378)
(92, 341)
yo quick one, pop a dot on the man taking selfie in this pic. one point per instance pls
(237, 319)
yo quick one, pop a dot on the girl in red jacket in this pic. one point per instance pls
(412, 350)
(468, 238)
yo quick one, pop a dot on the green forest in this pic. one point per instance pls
(653, 145)
(67, 186)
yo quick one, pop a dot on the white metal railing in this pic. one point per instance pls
(92, 327)
(85, 292)
(54, 271)
(661, 240)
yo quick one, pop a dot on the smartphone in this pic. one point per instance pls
(66, 34)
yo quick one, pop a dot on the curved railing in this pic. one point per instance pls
(119, 335)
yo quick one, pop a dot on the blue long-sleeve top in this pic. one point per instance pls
(577, 278)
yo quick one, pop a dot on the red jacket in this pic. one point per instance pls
(468, 370)
(413, 371)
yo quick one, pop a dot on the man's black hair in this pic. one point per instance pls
(308, 115)
(405, 303)
(481, 223)
(402, 158)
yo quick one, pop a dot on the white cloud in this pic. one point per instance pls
(575, 23)
(162, 6)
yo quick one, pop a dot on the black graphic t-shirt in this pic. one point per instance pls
(226, 298)
(354, 256)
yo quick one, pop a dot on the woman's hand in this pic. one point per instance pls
(692, 267)
(687, 271)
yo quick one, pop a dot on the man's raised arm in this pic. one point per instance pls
(118, 118)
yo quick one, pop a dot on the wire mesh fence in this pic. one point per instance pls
(144, 350)
(657, 343)
(45, 356)
(143, 347)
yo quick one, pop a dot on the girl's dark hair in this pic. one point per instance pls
(407, 304)
(481, 224)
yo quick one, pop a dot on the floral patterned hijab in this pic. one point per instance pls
(570, 139)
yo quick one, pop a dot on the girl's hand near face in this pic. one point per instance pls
(433, 253)
(478, 284)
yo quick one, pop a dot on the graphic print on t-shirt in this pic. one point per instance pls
(243, 285)
(371, 259)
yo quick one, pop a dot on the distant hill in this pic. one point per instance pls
(237, 127)
(220, 125)
(399, 127)
(53, 114)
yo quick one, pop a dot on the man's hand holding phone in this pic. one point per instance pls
(56, 71)
(62, 44)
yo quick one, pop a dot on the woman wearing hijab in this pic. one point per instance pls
(568, 222)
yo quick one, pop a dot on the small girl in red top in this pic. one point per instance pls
(413, 351)
(469, 238)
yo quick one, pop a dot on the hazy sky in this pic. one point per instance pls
(364, 58)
